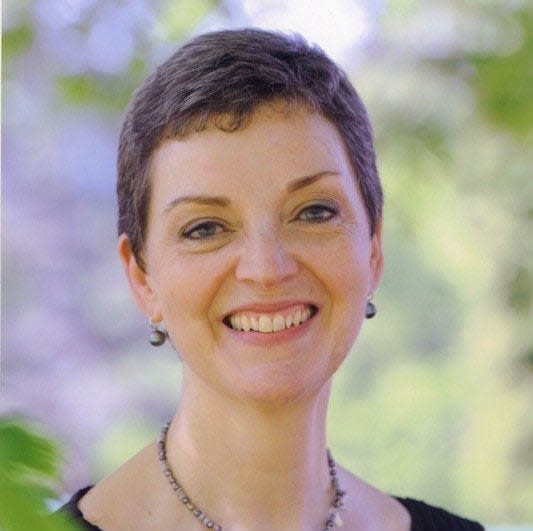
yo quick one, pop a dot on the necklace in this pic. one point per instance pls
(333, 518)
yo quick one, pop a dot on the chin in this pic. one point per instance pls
(280, 388)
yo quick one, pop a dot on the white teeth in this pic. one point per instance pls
(245, 323)
(278, 323)
(266, 323)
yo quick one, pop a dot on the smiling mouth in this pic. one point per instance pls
(270, 322)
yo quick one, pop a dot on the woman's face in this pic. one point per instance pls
(258, 229)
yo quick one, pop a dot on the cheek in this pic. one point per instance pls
(348, 280)
(184, 306)
(186, 292)
(345, 267)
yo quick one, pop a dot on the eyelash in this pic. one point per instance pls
(331, 211)
(187, 234)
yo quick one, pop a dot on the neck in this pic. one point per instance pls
(251, 467)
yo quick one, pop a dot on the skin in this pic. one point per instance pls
(248, 439)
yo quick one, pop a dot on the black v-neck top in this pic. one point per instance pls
(424, 517)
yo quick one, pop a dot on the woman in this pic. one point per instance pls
(250, 233)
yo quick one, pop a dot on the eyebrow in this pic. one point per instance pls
(308, 180)
(209, 200)
(221, 201)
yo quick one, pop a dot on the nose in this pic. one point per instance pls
(265, 259)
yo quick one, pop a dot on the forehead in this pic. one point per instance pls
(276, 145)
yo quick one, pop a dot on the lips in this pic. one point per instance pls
(270, 321)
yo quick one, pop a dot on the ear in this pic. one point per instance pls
(376, 254)
(139, 281)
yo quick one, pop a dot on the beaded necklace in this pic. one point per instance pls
(333, 518)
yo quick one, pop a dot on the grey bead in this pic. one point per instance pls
(157, 338)
(370, 310)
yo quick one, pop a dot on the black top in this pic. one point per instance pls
(424, 517)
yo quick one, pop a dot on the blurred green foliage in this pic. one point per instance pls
(102, 93)
(176, 19)
(17, 40)
(504, 81)
(29, 469)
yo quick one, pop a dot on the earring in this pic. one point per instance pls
(370, 310)
(157, 337)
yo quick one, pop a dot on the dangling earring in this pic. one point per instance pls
(157, 337)
(370, 310)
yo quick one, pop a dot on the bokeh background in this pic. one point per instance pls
(435, 399)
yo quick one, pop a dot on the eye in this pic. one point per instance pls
(203, 230)
(318, 213)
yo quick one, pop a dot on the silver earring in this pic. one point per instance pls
(157, 337)
(370, 309)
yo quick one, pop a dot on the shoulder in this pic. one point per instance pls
(72, 512)
(367, 506)
(126, 498)
(425, 517)
(365, 503)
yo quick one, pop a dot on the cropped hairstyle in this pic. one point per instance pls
(230, 74)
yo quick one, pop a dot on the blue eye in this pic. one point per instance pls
(318, 213)
(202, 231)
